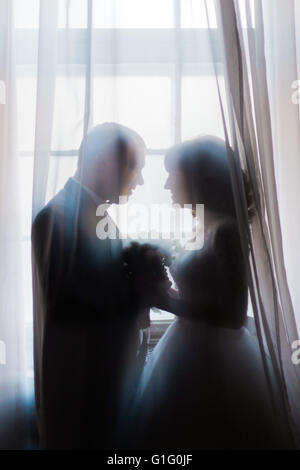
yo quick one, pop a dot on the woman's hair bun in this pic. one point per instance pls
(249, 195)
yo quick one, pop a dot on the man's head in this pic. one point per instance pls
(111, 159)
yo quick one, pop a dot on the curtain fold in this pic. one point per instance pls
(281, 30)
(13, 424)
(151, 70)
(270, 294)
(46, 79)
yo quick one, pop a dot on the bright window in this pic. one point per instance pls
(152, 71)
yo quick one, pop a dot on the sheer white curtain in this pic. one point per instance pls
(150, 65)
(282, 36)
(145, 64)
(255, 106)
(12, 316)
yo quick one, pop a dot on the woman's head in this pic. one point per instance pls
(199, 173)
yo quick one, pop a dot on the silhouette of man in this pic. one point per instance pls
(85, 321)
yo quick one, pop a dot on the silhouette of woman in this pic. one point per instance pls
(204, 386)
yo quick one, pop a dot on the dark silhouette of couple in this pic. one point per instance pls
(204, 386)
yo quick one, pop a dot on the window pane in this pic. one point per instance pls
(151, 193)
(133, 14)
(26, 13)
(68, 112)
(27, 282)
(26, 107)
(72, 13)
(149, 213)
(200, 105)
(193, 14)
(161, 315)
(60, 169)
(25, 188)
(155, 175)
(140, 102)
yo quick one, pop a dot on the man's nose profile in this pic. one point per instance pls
(167, 183)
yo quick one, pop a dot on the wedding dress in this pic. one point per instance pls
(204, 386)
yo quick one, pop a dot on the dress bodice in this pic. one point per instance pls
(204, 385)
(213, 280)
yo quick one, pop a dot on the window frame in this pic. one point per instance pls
(142, 51)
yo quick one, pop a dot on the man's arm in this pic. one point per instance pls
(78, 286)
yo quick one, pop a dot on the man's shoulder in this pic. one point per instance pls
(50, 216)
(42, 218)
(45, 215)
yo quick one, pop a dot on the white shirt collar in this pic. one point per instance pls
(97, 199)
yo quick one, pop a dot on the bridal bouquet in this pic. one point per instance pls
(146, 270)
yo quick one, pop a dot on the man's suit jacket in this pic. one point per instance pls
(85, 325)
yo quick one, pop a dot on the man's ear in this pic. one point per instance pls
(108, 164)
